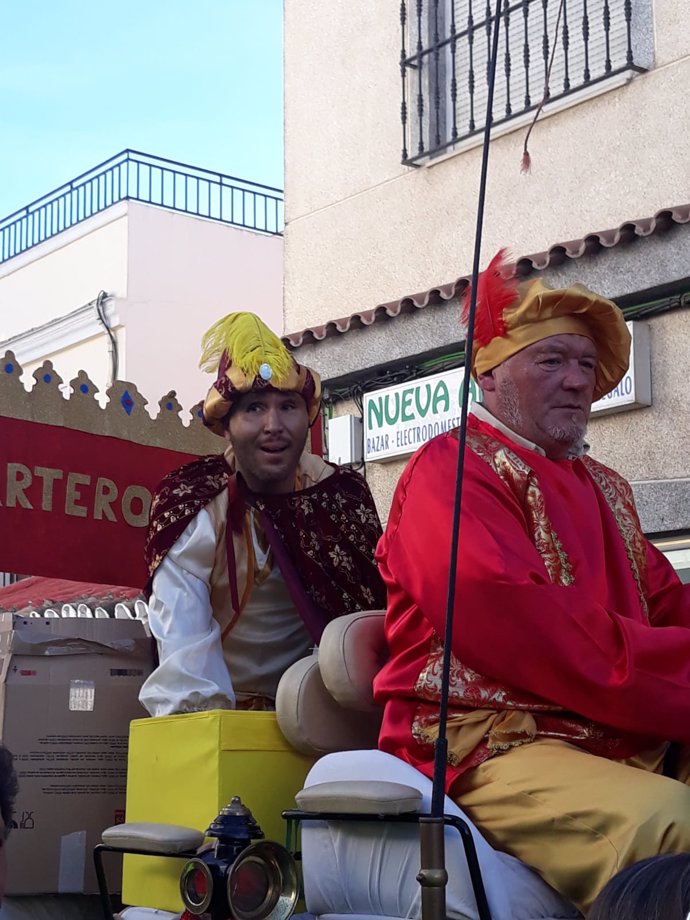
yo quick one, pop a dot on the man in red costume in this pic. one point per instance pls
(571, 644)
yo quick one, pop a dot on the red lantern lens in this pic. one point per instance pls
(251, 885)
(196, 886)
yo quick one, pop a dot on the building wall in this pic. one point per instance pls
(185, 273)
(645, 445)
(65, 272)
(653, 443)
(362, 229)
(67, 362)
(168, 276)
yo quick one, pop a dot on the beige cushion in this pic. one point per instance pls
(312, 721)
(154, 838)
(370, 798)
(351, 653)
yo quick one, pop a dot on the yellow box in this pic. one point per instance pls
(183, 769)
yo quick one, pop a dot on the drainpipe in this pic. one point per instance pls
(101, 300)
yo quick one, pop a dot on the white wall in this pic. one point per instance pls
(65, 272)
(170, 277)
(92, 353)
(184, 274)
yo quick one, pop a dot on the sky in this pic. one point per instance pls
(197, 81)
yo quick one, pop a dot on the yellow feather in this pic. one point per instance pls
(249, 344)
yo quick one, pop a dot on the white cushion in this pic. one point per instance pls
(147, 913)
(154, 838)
(370, 798)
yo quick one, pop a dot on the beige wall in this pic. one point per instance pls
(653, 443)
(362, 229)
(642, 444)
(184, 274)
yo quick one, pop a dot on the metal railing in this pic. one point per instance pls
(444, 61)
(135, 176)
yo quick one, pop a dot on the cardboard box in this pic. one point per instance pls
(68, 691)
(183, 769)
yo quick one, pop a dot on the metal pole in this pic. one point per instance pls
(432, 875)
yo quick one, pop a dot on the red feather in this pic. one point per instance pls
(495, 292)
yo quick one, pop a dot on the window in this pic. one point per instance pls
(595, 44)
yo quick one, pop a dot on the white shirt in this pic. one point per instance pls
(194, 671)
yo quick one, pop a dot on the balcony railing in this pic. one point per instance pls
(445, 52)
(137, 176)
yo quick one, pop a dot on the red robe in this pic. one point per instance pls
(566, 616)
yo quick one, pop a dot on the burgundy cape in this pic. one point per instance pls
(323, 537)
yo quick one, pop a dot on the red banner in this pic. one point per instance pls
(75, 505)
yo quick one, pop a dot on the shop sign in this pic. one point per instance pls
(399, 419)
(635, 389)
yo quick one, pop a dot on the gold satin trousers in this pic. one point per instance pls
(575, 817)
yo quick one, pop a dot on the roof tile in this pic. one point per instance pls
(556, 255)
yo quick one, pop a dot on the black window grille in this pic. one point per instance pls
(445, 51)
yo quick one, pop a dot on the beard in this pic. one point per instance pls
(571, 436)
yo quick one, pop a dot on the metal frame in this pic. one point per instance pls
(135, 176)
(294, 817)
(432, 41)
(103, 891)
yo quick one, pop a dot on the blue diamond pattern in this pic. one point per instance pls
(168, 406)
(47, 378)
(84, 388)
(9, 368)
(127, 402)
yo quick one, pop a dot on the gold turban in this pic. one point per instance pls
(248, 357)
(511, 315)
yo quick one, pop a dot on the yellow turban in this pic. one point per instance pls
(248, 357)
(510, 316)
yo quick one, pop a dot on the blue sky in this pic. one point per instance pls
(80, 80)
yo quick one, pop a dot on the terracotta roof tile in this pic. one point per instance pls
(556, 255)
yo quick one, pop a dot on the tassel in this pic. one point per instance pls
(526, 164)
(495, 292)
(247, 342)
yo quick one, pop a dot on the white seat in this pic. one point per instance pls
(369, 870)
(101, 614)
(83, 610)
(68, 610)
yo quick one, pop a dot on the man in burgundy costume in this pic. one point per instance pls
(252, 552)
(571, 644)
